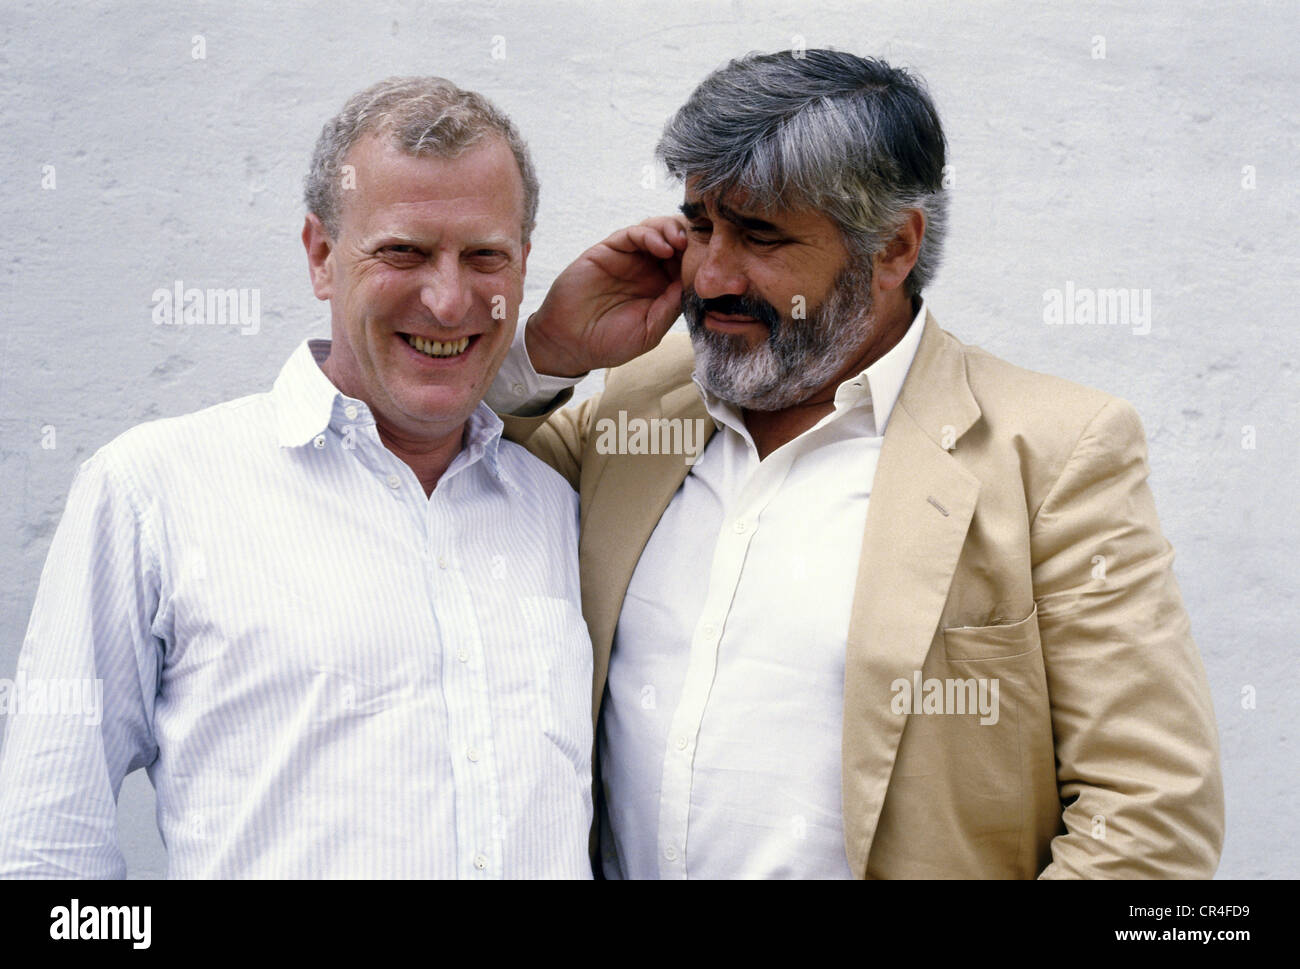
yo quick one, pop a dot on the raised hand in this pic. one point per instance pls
(613, 303)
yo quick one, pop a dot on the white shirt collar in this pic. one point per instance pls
(307, 404)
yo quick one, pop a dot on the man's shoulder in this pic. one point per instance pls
(1013, 400)
(652, 374)
(1017, 399)
(206, 437)
(534, 475)
(1006, 389)
(1037, 421)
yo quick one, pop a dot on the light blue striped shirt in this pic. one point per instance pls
(324, 672)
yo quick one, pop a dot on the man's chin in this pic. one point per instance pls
(720, 360)
(772, 400)
(731, 347)
(431, 412)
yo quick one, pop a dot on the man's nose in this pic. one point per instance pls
(720, 273)
(445, 292)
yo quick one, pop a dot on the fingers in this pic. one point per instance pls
(662, 237)
(663, 313)
(671, 227)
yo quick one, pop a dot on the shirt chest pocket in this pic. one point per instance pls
(558, 651)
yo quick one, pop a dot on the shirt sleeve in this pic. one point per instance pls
(81, 702)
(518, 389)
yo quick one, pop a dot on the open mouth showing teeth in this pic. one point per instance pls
(434, 348)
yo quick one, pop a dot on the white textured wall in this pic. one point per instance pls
(1122, 171)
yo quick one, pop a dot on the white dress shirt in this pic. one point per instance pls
(722, 719)
(721, 724)
(324, 672)
(720, 733)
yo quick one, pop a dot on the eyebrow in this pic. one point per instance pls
(381, 239)
(694, 210)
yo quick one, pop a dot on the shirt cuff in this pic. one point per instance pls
(518, 389)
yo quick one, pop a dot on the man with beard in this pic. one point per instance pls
(910, 613)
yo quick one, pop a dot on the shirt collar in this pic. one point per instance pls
(307, 404)
(483, 440)
(304, 397)
(877, 387)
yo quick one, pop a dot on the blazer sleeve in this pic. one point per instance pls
(558, 435)
(1136, 743)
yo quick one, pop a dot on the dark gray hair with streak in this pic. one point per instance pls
(421, 116)
(851, 136)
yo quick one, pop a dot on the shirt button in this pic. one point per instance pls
(351, 411)
(442, 562)
(480, 862)
(709, 631)
(670, 853)
(740, 526)
(472, 754)
(681, 743)
(463, 655)
(517, 389)
(394, 481)
(318, 441)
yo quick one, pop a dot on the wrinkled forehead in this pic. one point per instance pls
(734, 197)
(744, 191)
(747, 211)
(482, 183)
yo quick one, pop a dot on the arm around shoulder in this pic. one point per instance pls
(558, 436)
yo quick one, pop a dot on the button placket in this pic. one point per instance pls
(465, 687)
(725, 573)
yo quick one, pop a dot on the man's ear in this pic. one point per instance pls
(319, 247)
(523, 260)
(895, 261)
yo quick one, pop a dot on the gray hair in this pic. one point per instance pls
(850, 136)
(421, 116)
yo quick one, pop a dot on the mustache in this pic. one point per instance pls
(694, 308)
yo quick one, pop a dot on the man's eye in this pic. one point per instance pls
(401, 250)
(764, 243)
(490, 258)
(701, 229)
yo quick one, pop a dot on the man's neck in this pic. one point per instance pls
(771, 429)
(427, 456)
(428, 459)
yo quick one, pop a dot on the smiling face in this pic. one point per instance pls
(424, 281)
(776, 309)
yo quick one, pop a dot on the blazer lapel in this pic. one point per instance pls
(921, 505)
(626, 502)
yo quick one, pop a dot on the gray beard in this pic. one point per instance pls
(800, 356)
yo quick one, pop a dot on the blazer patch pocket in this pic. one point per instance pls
(999, 641)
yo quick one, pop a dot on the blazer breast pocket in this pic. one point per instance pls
(999, 641)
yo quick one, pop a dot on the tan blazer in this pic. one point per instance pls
(1010, 536)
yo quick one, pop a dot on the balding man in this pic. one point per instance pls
(337, 622)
